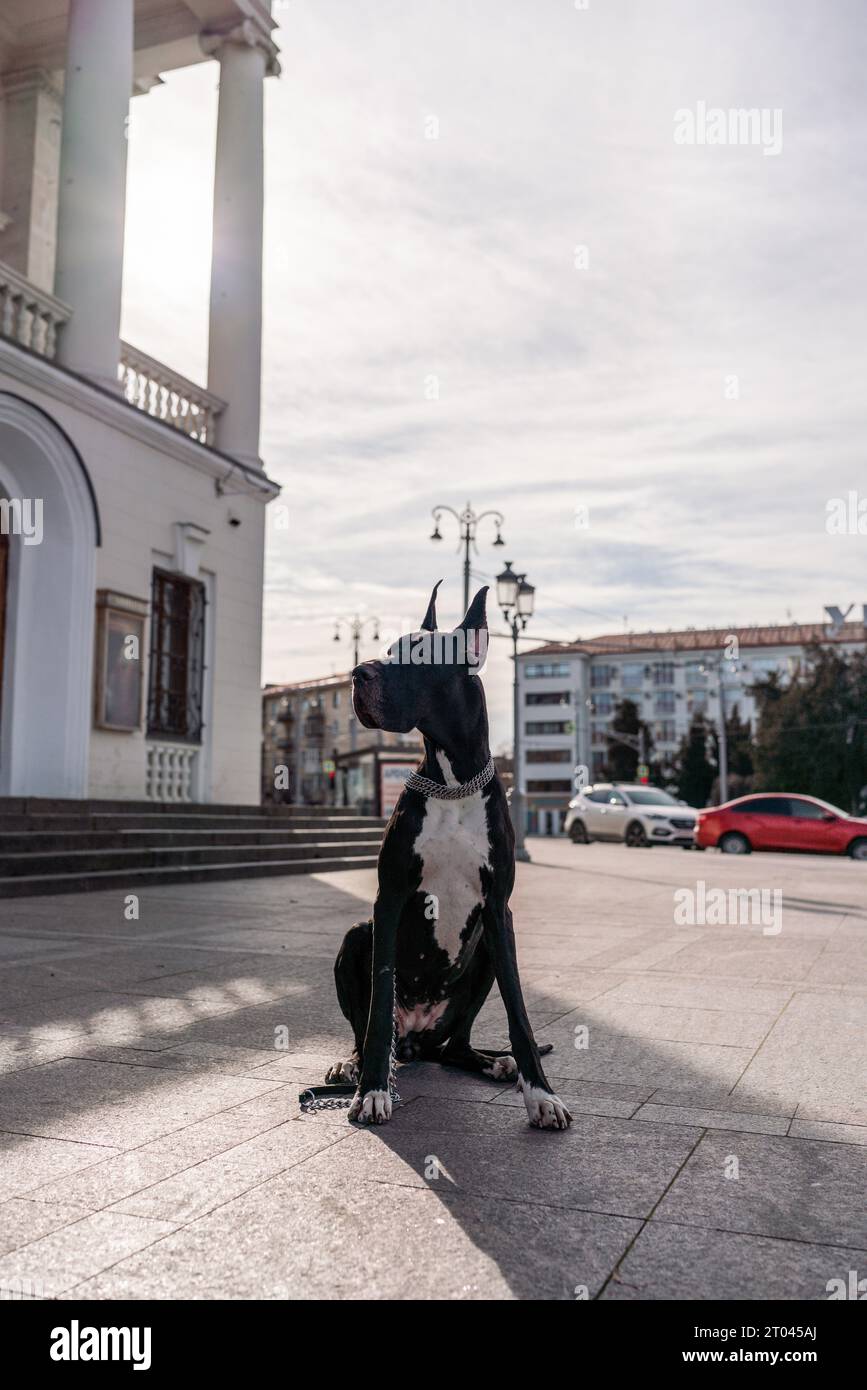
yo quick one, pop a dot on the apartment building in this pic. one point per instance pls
(569, 692)
(315, 752)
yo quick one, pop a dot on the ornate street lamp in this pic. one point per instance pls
(356, 627)
(468, 523)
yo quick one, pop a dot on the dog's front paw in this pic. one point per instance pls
(502, 1069)
(544, 1109)
(371, 1108)
(345, 1072)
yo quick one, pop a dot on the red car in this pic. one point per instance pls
(781, 822)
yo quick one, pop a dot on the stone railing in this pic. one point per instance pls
(157, 390)
(29, 316)
(171, 771)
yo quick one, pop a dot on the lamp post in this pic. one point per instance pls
(356, 627)
(468, 523)
(516, 597)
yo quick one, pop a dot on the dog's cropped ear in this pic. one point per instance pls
(475, 628)
(429, 621)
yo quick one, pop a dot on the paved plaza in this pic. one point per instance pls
(153, 1147)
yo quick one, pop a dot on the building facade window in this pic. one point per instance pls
(548, 726)
(549, 755)
(177, 667)
(632, 676)
(665, 702)
(663, 673)
(603, 703)
(601, 676)
(546, 785)
(536, 669)
(548, 697)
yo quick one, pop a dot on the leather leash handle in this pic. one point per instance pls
(316, 1091)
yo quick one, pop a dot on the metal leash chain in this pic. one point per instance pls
(310, 1102)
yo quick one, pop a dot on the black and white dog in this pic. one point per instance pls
(441, 932)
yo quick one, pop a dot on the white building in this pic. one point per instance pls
(569, 692)
(132, 501)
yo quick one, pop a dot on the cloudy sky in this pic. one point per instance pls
(694, 378)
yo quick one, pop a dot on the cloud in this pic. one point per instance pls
(429, 338)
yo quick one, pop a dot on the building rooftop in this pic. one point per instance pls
(700, 639)
(317, 683)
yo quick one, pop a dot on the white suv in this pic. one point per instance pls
(637, 815)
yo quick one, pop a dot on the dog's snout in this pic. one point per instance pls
(362, 673)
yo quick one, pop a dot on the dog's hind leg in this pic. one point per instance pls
(499, 1066)
(352, 978)
(459, 1051)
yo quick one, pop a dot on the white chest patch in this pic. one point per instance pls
(454, 848)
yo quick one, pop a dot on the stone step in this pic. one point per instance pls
(42, 884)
(96, 861)
(113, 821)
(21, 842)
(47, 805)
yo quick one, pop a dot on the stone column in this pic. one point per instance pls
(92, 192)
(28, 193)
(246, 54)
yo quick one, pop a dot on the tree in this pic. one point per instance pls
(621, 763)
(694, 767)
(739, 745)
(812, 734)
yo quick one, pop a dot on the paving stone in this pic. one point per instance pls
(121, 1175)
(799, 1189)
(749, 956)
(23, 1221)
(601, 1164)
(196, 1190)
(682, 1263)
(348, 1241)
(118, 1106)
(58, 1261)
(837, 1134)
(690, 993)
(818, 1051)
(744, 1121)
(622, 1058)
(677, 1024)
(25, 1161)
(717, 1098)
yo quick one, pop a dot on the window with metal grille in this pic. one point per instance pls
(177, 666)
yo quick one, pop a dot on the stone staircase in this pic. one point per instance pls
(54, 846)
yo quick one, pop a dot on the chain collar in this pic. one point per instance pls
(416, 783)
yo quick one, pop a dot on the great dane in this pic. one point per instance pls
(412, 980)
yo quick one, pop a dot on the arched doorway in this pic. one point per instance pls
(51, 530)
(4, 571)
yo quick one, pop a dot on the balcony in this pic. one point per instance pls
(32, 318)
(166, 395)
(29, 316)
